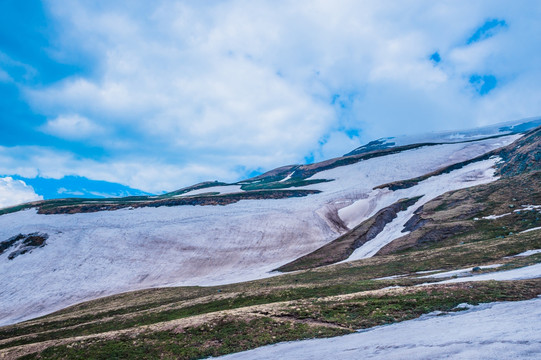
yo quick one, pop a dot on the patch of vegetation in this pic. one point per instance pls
(365, 311)
(6, 244)
(522, 156)
(13, 209)
(305, 318)
(293, 182)
(224, 336)
(458, 216)
(74, 206)
(202, 185)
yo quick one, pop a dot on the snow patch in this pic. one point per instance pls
(493, 217)
(391, 277)
(529, 208)
(532, 229)
(459, 272)
(287, 177)
(523, 273)
(524, 208)
(527, 253)
(464, 306)
(227, 189)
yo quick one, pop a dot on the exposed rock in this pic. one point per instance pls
(23, 243)
(415, 222)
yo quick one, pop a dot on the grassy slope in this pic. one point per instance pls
(457, 216)
(72, 206)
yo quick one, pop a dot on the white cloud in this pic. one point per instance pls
(4, 76)
(72, 127)
(143, 172)
(14, 192)
(221, 88)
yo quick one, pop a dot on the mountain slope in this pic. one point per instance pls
(92, 254)
(63, 252)
(456, 214)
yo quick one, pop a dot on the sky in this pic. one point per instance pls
(164, 94)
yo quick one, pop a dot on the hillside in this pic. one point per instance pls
(359, 232)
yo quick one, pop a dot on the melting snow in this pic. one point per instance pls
(391, 277)
(460, 272)
(532, 229)
(529, 208)
(470, 175)
(524, 208)
(527, 253)
(527, 272)
(287, 177)
(494, 217)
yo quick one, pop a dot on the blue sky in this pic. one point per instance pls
(160, 95)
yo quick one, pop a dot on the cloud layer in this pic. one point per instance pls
(178, 92)
(13, 192)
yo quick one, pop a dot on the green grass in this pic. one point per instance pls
(368, 311)
(225, 336)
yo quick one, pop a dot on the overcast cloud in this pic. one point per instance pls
(160, 95)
